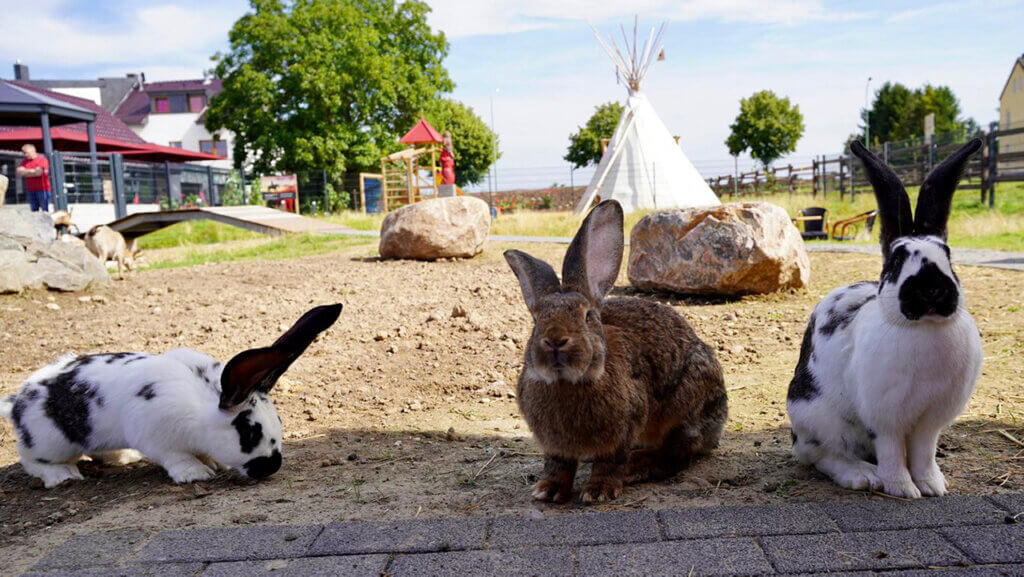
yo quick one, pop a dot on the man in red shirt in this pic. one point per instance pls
(35, 169)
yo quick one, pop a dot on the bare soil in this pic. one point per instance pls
(404, 408)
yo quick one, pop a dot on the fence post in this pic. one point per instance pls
(993, 162)
(117, 180)
(60, 194)
(213, 191)
(842, 178)
(327, 203)
(931, 152)
(241, 184)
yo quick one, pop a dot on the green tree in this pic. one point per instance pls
(326, 84)
(585, 143)
(473, 140)
(767, 126)
(897, 112)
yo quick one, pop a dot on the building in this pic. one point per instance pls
(172, 114)
(1011, 108)
(163, 113)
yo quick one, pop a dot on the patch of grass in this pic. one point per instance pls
(195, 232)
(355, 220)
(291, 246)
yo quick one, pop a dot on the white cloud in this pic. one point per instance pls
(459, 18)
(175, 37)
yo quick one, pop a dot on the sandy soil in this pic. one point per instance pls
(403, 409)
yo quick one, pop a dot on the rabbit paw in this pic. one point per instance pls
(933, 485)
(901, 488)
(190, 472)
(600, 490)
(552, 491)
(863, 477)
(54, 475)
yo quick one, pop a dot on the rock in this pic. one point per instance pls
(733, 249)
(454, 227)
(17, 271)
(36, 226)
(459, 311)
(53, 306)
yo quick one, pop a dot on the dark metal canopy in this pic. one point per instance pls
(21, 107)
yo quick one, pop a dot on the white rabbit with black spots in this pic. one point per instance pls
(182, 409)
(886, 366)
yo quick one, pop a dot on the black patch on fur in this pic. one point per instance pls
(928, 291)
(21, 402)
(793, 435)
(42, 461)
(261, 467)
(111, 358)
(814, 442)
(67, 403)
(803, 387)
(249, 433)
(135, 358)
(893, 267)
(872, 435)
(147, 392)
(838, 319)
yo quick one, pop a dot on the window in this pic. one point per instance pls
(196, 102)
(218, 147)
(174, 144)
(161, 105)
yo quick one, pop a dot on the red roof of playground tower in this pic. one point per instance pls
(422, 133)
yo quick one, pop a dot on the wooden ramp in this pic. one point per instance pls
(255, 218)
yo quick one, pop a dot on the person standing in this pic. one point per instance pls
(35, 169)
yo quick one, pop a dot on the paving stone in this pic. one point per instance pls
(346, 566)
(856, 551)
(740, 556)
(544, 561)
(995, 544)
(986, 571)
(95, 550)
(886, 514)
(745, 521)
(407, 536)
(229, 543)
(1013, 503)
(581, 529)
(162, 570)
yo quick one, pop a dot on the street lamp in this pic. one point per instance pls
(867, 116)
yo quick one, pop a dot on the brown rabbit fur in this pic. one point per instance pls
(624, 381)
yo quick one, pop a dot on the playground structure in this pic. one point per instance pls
(409, 175)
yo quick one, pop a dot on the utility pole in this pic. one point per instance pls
(494, 143)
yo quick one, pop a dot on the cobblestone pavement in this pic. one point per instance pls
(960, 536)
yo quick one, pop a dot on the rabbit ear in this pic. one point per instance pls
(311, 324)
(536, 277)
(259, 369)
(893, 202)
(594, 258)
(250, 371)
(936, 197)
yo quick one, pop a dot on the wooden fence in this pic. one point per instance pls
(911, 160)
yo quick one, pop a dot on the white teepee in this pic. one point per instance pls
(643, 166)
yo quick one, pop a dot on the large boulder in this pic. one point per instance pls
(31, 259)
(733, 249)
(454, 227)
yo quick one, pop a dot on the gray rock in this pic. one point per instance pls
(18, 272)
(733, 249)
(455, 227)
(31, 225)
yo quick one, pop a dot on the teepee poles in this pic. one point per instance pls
(632, 60)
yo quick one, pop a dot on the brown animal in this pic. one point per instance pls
(108, 244)
(624, 381)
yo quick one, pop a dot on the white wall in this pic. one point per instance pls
(86, 92)
(164, 129)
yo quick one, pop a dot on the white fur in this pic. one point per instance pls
(179, 428)
(903, 380)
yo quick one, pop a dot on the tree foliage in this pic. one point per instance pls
(326, 84)
(474, 143)
(767, 126)
(898, 112)
(585, 143)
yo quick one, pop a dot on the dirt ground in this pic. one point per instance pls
(404, 408)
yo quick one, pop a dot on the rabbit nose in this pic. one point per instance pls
(934, 293)
(555, 343)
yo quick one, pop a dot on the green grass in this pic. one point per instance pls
(195, 232)
(972, 224)
(291, 246)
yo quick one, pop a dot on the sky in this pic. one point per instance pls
(538, 61)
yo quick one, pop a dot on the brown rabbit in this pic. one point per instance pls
(624, 381)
